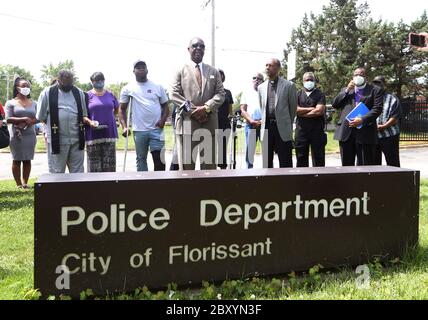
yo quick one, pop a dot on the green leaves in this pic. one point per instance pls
(50, 71)
(344, 37)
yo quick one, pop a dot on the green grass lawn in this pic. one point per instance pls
(169, 141)
(398, 279)
(16, 241)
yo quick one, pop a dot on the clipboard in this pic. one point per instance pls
(359, 111)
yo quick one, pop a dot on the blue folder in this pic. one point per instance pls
(359, 111)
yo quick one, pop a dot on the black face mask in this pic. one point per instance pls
(66, 88)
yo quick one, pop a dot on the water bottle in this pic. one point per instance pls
(257, 114)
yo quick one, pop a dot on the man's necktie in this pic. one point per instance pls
(198, 75)
(272, 99)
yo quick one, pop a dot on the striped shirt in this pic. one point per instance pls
(391, 109)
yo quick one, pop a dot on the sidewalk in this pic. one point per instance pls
(411, 158)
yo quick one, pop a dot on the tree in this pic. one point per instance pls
(416, 63)
(115, 88)
(11, 72)
(84, 86)
(327, 43)
(50, 71)
(386, 52)
(344, 37)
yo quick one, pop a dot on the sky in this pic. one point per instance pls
(108, 36)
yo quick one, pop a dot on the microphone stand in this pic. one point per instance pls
(184, 108)
(128, 119)
(234, 136)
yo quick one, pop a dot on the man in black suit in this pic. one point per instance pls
(353, 141)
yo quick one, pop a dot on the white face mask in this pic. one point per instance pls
(359, 81)
(24, 91)
(309, 85)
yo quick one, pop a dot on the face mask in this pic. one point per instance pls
(66, 88)
(309, 85)
(24, 91)
(99, 85)
(359, 81)
(377, 84)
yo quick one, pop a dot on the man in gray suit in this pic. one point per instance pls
(198, 91)
(278, 102)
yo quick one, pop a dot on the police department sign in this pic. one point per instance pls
(114, 232)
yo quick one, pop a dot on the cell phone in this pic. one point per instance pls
(101, 127)
(125, 134)
(417, 40)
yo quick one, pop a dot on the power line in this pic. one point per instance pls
(128, 37)
(121, 36)
(25, 18)
(251, 51)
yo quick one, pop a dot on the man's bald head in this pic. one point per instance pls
(195, 40)
(197, 50)
(273, 66)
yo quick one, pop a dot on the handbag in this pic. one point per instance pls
(4, 134)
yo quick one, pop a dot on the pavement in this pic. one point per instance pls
(415, 158)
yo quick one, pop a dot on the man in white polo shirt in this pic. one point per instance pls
(250, 110)
(149, 111)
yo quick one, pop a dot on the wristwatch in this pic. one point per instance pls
(207, 109)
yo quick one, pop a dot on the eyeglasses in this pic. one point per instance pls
(257, 78)
(198, 45)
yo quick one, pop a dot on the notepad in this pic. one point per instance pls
(359, 111)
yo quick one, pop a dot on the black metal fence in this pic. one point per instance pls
(414, 122)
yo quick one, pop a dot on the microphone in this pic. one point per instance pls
(185, 107)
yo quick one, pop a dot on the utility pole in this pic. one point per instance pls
(5, 76)
(7, 86)
(213, 33)
(212, 29)
(8, 78)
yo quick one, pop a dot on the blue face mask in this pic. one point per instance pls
(98, 85)
(309, 85)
